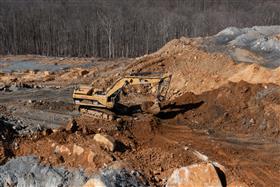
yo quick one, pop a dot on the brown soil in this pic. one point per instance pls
(194, 70)
(236, 125)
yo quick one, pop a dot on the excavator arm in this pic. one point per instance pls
(86, 96)
(135, 80)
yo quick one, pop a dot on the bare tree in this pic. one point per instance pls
(110, 28)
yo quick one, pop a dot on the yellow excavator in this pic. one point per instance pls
(98, 103)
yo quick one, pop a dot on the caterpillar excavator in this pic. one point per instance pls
(103, 104)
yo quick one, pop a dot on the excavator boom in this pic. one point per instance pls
(87, 96)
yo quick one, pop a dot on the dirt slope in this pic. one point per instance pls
(197, 71)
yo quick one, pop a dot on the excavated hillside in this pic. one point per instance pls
(195, 70)
(222, 108)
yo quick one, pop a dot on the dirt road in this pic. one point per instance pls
(46, 107)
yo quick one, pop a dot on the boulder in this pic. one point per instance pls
(77, 150)
(62, 149)
(197, 175)
(105, 140)
(95, 182)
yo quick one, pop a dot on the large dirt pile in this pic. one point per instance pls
(237, 109)
(195, 70)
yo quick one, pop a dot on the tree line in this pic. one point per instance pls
(120, 28)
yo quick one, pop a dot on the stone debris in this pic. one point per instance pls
(95, 182)
(77, 150)
(62, 149)
(105, 140)
(196, 175)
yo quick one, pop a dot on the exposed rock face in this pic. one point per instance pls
(26, 171)
(116, 177)
(262, 40)
(197, 175)
(105, 140)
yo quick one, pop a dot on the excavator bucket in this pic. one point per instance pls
(150, 107)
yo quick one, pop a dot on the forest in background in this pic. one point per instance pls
(120, 28)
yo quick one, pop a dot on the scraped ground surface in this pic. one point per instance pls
(217, 108)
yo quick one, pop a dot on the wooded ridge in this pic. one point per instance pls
(120, 28)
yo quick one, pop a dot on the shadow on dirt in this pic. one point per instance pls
(120, 147)
(171, 110)
(222, 176)
(7, 136)
(167, 112)
(121, 109)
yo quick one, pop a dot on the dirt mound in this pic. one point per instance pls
(240, 109)
(192, 69)
(256, 74)
(243, 121)
(195, 70)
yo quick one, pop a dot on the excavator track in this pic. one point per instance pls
(102, 114)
